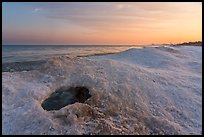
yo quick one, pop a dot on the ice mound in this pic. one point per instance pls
(139, 91)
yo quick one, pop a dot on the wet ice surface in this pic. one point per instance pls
(138, 91)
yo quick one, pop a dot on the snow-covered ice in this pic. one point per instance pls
(138, 91)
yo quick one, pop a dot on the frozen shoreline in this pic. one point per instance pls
(138, 91)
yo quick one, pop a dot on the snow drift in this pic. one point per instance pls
(138, 91)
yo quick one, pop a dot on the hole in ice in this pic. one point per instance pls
(63, 97)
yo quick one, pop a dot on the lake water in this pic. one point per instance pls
(19, 53)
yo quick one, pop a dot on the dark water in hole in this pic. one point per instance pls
(63, 97)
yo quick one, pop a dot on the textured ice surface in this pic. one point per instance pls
(138, 91)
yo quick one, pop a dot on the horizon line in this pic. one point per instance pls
(170, 43)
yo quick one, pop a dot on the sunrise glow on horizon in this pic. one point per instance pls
(101, 22)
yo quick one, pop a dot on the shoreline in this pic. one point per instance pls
(34, 65)
(22, 66)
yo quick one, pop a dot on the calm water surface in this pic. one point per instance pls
(19, 53)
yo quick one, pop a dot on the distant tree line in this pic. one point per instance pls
(196, 43)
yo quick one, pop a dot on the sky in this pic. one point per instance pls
(101, 22)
